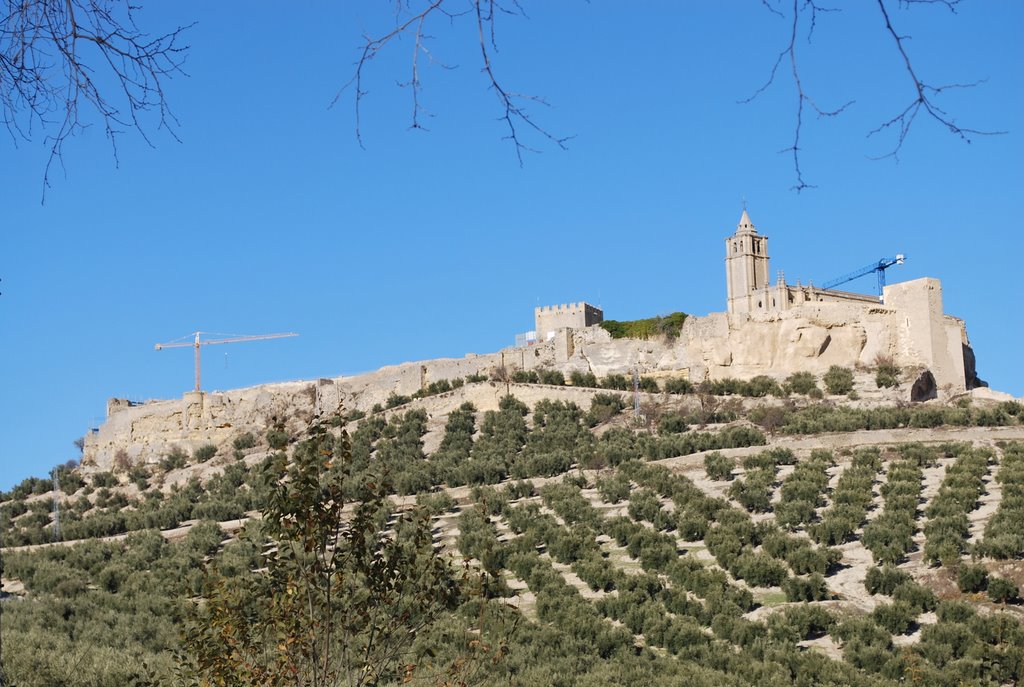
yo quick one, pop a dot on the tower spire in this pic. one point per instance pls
(745, 226)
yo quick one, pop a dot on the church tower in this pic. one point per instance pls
(746, 268)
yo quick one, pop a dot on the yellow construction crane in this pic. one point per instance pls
(196, 343)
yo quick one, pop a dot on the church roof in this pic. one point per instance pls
(745, 226)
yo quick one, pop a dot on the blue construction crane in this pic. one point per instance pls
(878, 267)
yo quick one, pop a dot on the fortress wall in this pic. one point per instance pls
(910, 328)
(147, 432)
(930, 337)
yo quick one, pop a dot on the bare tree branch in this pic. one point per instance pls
(56, 57)
(802, 97)
(923, 100)
(414, 23)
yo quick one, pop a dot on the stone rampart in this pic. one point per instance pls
(910, 328)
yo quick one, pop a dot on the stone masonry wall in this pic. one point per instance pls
(910, 328)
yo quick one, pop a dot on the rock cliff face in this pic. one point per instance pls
(911, 329)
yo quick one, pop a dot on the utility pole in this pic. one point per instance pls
(636, 394)
(56, 504)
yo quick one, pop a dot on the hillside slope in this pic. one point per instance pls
(718, 538)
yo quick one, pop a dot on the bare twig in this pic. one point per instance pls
(54, 58)
(415, 23)
(802, 96)
(924, 93)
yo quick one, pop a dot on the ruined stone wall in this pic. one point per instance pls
(910, 328)
(147, 432)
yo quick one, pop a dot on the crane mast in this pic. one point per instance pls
(197, 342)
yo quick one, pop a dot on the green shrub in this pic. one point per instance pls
(277, 438)
(758, 387)
(884, 580)
(718, 466)
(525, 377)
(393, 401)
(916, 596)
(553, 377)
(763, 385)
(759, 570)
(105, 479)
(972, 578)
(1002, 590)
(678, 385)
(887, 373)
(617, 382)
(801, 621)
(895, 617)
(436, 504)
(584, 379)
(139, 474)
(244, 441)
(838, 380)
(668, 326)
(800, 383)
(204, 453)
(812, 588)
(672, 423)
(604, 407)
(649, 385)
(614, 488)
(433, 388)
(753, 492)
(70, 482)
(520, 489)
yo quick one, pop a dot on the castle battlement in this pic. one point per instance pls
(565, 308)
(550, 318)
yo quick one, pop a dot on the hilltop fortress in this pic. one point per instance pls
(767, 329)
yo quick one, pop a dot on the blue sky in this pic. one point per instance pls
(269, 217)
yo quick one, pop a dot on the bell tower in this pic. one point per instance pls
(746, 267)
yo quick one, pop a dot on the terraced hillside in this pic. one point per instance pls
(773, 540)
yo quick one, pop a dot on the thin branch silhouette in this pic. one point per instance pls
(484, 13)
(55, 56)
(803, 98)
(924, 93)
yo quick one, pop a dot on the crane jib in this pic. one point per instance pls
(878, 267)
(197, 342)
